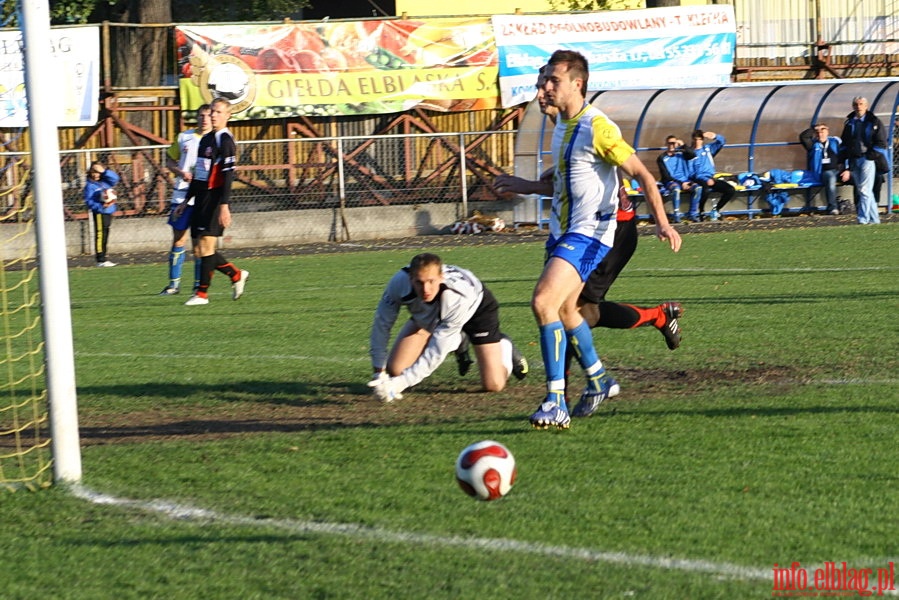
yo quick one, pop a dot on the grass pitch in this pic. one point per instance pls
(231, 450)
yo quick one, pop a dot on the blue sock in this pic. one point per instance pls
(552, 345)
(582, 341)
(176, 260)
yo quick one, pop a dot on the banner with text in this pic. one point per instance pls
(74, 69)
(684, 46)
(342, 68)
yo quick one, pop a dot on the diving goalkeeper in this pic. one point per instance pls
(448, 308)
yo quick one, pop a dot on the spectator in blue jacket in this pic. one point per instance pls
(706, 144)
(823, 161)
(100, 198)
(674, 174)
(863, 137)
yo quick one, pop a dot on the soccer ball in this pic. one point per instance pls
(486, 470)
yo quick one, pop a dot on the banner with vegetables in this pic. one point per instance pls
(339, 68)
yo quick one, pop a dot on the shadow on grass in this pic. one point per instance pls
(212, 429)
(208, 412)
(756, 412)
(270, 392)
(252, 407)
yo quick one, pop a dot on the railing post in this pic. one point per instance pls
(341, 191)
(462, 172)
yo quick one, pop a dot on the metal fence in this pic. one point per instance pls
(291, 174)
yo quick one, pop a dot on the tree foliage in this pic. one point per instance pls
(67, 12)
(72, 12)
(194, 11)
(591, 5)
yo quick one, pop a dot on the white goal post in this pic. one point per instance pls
(59, 355)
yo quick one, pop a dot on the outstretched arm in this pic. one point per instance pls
(510, 184)
(635, 168)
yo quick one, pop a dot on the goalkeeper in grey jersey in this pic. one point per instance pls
(448, 306)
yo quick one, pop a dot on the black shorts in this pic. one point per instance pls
(205, 218)
(604, 275)
(483, 326)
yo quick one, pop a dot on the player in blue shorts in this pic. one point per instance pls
(181, 158)
(596, 310)
(587, 149)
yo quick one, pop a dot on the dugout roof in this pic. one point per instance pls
(761, 121)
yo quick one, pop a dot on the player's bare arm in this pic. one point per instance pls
(510, 184)
(175, 169)
(635, 168)
(225, 215)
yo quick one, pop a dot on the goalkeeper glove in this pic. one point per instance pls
(385, 388)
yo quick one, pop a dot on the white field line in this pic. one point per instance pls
(183, 512)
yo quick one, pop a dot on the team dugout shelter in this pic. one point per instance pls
(761, 123)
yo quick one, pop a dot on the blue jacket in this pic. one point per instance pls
(94, 191)
(703, 166)
(674, 167)
(817, 150)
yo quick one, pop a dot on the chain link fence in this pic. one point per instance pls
(335, 173)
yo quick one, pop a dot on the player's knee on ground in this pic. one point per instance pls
(494, 384)
(494, 373)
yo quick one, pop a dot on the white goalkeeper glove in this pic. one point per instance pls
(385, 388)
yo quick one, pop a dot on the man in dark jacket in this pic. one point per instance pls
(863, 137)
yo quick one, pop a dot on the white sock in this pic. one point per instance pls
(505, 346)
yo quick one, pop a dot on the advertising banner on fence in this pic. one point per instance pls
(341, 68)
(75, 70)
(684, 46)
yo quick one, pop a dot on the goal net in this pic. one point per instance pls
(38, 405)
(25, 457)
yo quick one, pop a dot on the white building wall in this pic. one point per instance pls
(788, 28)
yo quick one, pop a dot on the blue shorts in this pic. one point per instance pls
(582, 252)
(182, 223)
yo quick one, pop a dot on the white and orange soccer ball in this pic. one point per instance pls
(486, 470)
